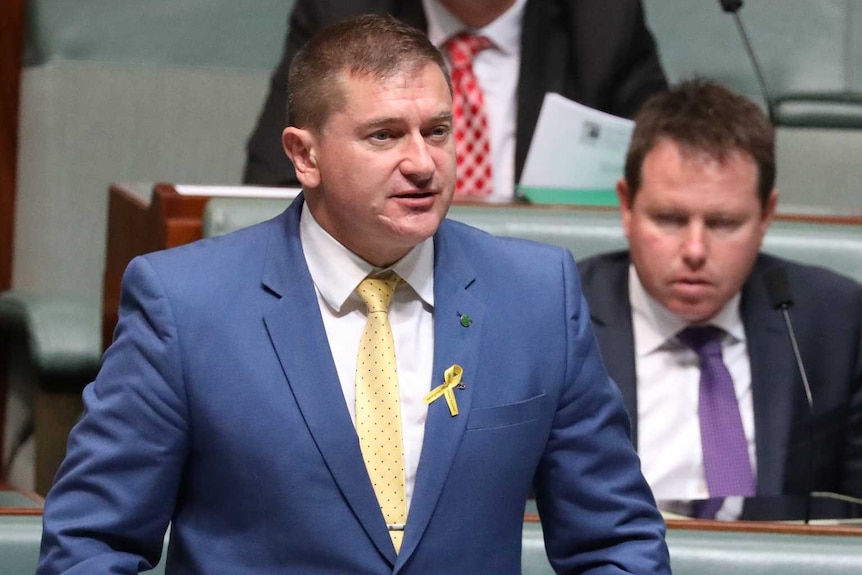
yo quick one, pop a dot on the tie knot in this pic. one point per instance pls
(704, 340)
(463, 48)
(376, 292)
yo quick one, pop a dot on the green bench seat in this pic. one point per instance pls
(693, 552)
(585, 232)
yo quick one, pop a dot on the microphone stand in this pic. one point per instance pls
(779, 293)
(732, 7)
(810, 400)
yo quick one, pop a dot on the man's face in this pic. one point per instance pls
(380, 175)
(695, 227)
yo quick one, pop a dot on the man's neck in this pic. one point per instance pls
(477, 13)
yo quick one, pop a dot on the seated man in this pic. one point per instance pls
(697, 199)
(597, 52)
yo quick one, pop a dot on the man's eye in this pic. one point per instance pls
(381, 135)
(669, 219)
(723, 223)
(440, 131)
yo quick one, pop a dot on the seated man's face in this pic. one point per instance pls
(695, 227)
(384, 170)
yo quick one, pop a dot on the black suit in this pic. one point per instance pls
(597, 52)
(827, 318)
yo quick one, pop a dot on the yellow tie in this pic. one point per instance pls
(378, 407)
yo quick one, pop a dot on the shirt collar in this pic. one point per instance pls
(655, 326)
(336, 271)
(504, 31)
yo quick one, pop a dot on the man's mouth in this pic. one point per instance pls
(423, 194)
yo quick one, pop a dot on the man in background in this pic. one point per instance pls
(357, 385)
(687, 325)
(596, 52)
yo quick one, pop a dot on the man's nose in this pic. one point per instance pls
(417, 162)
(695, 245)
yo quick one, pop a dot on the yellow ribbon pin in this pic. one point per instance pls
(451, 379)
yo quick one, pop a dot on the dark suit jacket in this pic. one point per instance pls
(827, 319)
(596, 52)
(218, 408)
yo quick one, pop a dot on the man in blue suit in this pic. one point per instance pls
(225, 405)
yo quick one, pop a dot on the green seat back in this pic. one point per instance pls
(584, 232)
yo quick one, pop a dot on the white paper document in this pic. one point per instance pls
(577, 154)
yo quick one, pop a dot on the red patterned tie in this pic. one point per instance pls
(472, 137)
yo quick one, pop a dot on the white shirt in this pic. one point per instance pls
(336, 272)
(668, 380)
(497, 70)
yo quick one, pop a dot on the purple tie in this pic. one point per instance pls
(725, 450)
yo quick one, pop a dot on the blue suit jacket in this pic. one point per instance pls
(218, 408)
(827, 319)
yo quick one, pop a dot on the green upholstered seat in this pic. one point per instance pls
(807, 50)
(164, 90)
(701, 552)
(63, 332)
(693, 552)
(810, 52)
(584, 232)
(20, 539)
(19, 543)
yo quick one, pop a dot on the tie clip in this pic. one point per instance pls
(395, 526)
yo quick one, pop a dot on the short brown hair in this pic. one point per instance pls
(370, 46)
(701, 115)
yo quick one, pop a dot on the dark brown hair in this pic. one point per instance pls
(370, 46)
(703, 116)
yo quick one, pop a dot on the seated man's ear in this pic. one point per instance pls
(300, 145)
(771, 203)
(625, 200)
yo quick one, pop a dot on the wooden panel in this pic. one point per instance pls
(14, 502)
(11, 33)
(55, 413)
(11, 26)
(787, 528)
(129, 234)
(135, 226)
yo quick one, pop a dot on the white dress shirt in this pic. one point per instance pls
(497, 71)
(668, 380)
(336, 272)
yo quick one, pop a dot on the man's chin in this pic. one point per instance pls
(693, 312)
(417, 225)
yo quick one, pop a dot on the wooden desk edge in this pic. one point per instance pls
(777, 527)
(35, 497)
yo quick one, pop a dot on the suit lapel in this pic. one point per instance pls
(612, 321)
(453, 344)
(773, 377)
(299, 338)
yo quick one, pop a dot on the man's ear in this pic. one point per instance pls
(625, 201)
(768, 211)
(300, 145)
(771, 203)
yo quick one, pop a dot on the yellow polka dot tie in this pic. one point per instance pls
(378, 407)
